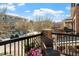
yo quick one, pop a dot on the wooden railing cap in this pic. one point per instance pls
(46, 29)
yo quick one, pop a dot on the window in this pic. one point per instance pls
(72, 4)
(77, 4)
(3, 18)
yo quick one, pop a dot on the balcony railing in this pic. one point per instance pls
(67, 44)
(17, 46)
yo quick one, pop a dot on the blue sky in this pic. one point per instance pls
(56, 11)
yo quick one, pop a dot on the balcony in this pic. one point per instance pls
(62, 44)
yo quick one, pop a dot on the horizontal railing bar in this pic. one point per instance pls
(68, 44)
(66, 34)
(17, 39)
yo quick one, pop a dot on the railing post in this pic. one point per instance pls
(47, 38)
(48, 43)
(28, 44)
(4, 49)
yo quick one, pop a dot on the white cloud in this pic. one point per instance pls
(10, 3)
(13, 14)
(57, 15)
(68, 8)
(21, 4)
(9, 6)
(27, 11)
(61, 17)
(38, 13)
(58, 18)
(28, 17)
(68, 15)
(44, 11)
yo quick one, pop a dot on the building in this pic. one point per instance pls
(58, 27)
(68, 23)
(10, 19)
(73, 21)
(8, 23)
(75, 16)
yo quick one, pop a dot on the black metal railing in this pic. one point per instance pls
(67, 44)
(19, 46)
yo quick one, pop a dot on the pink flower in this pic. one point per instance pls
(35, 52)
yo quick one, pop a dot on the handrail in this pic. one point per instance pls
(70, 40)
(66, 34)
(17, 39)
(19, 46)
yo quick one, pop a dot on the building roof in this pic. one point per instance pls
(19, 17)
(69, 18)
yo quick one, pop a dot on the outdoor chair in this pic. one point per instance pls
(47, 48)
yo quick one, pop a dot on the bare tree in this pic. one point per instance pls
(21, 26)
(3, 10)
(43, 23)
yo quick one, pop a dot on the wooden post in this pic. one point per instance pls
(47, 43)
(47, 38)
